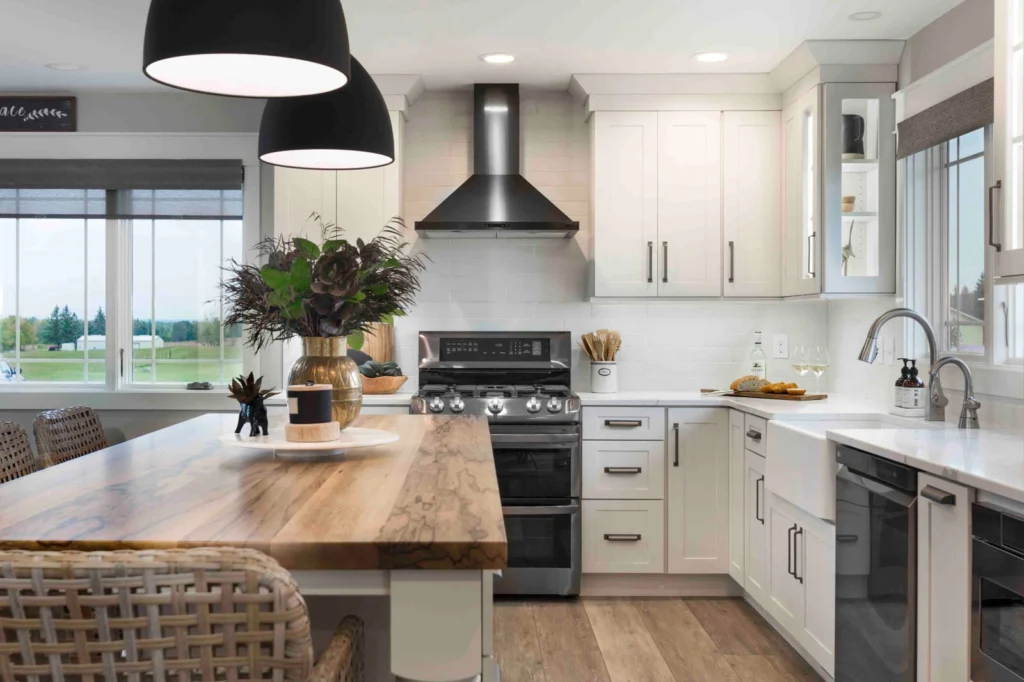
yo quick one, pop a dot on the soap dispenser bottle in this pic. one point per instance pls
(899, 397)
(914, 388)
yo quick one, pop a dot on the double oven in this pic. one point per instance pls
(997, 626)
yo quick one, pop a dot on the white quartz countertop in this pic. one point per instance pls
(833, 407)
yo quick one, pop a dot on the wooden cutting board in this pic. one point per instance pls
(769, 396)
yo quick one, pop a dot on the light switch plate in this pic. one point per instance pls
(889, 350)
(780, 346)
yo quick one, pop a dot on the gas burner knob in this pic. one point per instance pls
(533, 405)
(457, 404)
(436, 405)
(495, 405)
(554, 404)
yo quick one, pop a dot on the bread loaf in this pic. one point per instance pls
(749, 383)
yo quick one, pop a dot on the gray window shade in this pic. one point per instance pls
(960, 114)
(84, 174)
(53, 202)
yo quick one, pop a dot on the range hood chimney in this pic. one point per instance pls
(496, 201)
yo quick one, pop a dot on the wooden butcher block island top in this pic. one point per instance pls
(428, 501)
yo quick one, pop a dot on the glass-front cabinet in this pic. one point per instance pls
(840, 195)
(1006, 195)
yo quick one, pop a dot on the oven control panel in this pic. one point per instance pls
(455, 349)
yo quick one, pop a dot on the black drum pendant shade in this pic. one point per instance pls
(342, 130)
(247, 48)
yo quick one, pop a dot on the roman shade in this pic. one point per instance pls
(966, 111)
(117, 174)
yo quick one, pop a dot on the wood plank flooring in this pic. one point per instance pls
(641, 640)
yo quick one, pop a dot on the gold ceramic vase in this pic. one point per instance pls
(324, 361)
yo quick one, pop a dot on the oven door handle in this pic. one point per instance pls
(559, 510)
(545, 439)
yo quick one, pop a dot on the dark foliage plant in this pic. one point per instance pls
(334, 288)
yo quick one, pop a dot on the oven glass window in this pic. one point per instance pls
(1002, 626)
(524, 473)
(539, 541)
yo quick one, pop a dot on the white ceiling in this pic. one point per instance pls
(441, 39)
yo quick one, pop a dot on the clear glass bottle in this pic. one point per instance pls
(758, 359)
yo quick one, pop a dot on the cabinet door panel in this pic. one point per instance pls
(300, 193)
(625, 157)
(751, 152)
(817, 560)
(698, 490)
(689, 203)
(756, 530)
(801, 196)
(1008, 138)
(785, 592)
(737, 496)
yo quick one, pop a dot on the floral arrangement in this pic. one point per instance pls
(334, 288)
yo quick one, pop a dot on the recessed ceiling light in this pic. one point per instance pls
(498, 58)
(864, 16)
(709, 57)
(64, 66)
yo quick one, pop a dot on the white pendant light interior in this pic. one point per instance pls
(328, 159)
(246, 75)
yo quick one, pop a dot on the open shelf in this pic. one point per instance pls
(860, 165)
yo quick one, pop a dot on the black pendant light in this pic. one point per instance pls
(342, 130)
(247, 48)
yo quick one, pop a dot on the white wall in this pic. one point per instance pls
(848, 323)
(956, 32)
(521, 285)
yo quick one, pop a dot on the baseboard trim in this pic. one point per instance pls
(657, 585)
(763, 612)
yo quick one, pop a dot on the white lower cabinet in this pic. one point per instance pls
(755, 528)
(801, 578)
(623, 470)
(698, 490)
(737, 501)
(943, 580)
(623, 536)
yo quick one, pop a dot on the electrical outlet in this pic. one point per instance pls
(889, 350)
(780, 346)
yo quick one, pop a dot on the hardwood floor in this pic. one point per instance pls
(641, 640)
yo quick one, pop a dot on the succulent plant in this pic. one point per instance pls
(371, 369)
(247, 389)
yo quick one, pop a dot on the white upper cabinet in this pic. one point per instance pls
(1006, 218)
(751, 150)
(801, 196)
(298, 194)
(625, 169)
(689, 203)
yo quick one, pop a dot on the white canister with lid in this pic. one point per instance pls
(604, 377)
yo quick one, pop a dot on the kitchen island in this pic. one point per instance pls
(418, 521)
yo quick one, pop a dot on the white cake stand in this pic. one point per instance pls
(351, 438)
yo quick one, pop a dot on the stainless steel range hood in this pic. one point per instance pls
(496, 201)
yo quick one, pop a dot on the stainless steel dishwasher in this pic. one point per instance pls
(876, 569)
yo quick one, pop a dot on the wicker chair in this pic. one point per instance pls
(16, 456)
(67, 434)
(199, 614)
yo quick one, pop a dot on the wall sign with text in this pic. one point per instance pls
(37, 114)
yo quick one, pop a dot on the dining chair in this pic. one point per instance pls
(67, 433)
(196, 614)
(16, 456)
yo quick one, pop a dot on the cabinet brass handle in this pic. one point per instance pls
(675, 434)
(754, 435)
(938, 496)
(664, 267)
(650, 262)
(732, 262)
(757, 500)
(810, 254)
(991, 217)
(622, 537)
(799, 578)
(623, 423)
(622, 470)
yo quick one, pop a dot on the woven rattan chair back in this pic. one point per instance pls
(199, 614)
(67, 434)
(16, 456)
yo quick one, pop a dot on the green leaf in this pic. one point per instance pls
(387, 318)
(280, 299)
(398, 312)
(355, 340)
(301, 275)
(378, 289)
(294, 310)
(391, 263)
(274, 278)
(357, 297)
(332, 245)
(306, 248)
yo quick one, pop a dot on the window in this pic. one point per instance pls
(162, 251)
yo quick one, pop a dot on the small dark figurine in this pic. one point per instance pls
(246, 390)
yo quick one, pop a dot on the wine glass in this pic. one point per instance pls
(799, 360)
(818, 361)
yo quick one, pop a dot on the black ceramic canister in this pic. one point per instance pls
(310, 403)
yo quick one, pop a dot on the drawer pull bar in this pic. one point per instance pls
(622, 537)
(938, 496)
(622, 470)
(754, 435)
(847, 538)
(623, 423)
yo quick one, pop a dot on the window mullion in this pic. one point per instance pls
(17, 284)
(152, 302)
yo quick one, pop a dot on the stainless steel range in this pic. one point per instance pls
(521, 383)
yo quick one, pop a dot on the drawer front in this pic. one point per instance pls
(623, 470)
(755, 434)
(623, 423)
(623, 536)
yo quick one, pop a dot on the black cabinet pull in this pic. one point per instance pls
(623, 423)
(664, 267)
(991, 217)
(622, 537)
(732, 262)
(810, 254)
(650, 262)
(757, 500)
(675, 434)
(796, 556)
(789, 551)
(754, 435)
(938, 496)
(622, 470)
